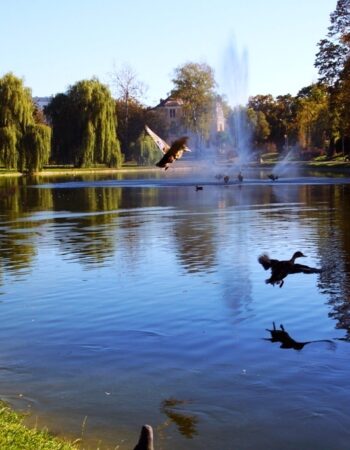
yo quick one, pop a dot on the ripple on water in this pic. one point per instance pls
(157, 307)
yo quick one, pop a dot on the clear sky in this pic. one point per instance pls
(52, 44)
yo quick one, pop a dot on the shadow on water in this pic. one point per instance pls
(288, 342)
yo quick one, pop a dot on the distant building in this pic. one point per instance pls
(41, 102)
(219, 118)
(171, 109)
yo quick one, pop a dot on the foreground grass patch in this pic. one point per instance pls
(15, 436)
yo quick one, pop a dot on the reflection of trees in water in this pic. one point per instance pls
(18, 238)
(174, 410)
(334, 249)
(195, 238)
(93, 238)
(89, 237)
(326, 208)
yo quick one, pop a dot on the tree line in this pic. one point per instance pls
(86, 126)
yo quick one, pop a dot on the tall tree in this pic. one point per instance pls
(313, 117)
(129, 92)
(145, 151)
(36, 147)
(87, 117)
(332, 61)
(260, 129)
(129, 130)
(194, 84)
(17, 123)
(59, 112)
(334, 50)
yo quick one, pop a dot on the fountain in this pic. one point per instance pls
(234, 84)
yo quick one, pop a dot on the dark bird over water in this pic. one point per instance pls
(226, 179)
(199, 188)
(281, 269)
(170, 153)
(273, 177)
(240, 177)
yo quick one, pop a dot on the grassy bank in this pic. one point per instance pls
(15, 436)
(268, 160)
(338, 161)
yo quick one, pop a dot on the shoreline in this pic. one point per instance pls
(52, 171)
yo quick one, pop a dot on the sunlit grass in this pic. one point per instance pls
(15, 436)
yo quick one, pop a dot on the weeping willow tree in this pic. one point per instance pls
(84, 126)
(36, 147)
(9, 138)
(17, 124)
(145, 150)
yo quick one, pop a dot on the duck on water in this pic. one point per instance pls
(281, 269)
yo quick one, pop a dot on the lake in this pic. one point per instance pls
(134, 298)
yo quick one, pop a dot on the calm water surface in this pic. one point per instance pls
(136, 299)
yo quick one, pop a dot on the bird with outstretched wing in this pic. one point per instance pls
(170, 152)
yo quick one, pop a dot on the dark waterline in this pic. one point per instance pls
(136, 299)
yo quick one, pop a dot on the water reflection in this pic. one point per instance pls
(173, 294)
(174, 409)
(94, 238)
(287, 342)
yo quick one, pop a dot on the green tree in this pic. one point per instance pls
(313, 117)
(334, 50)
(60, 114)
(36, 147)
(145, 151)
(259, 126)
(194, 85)
(332, 61)
(21, 141)
(129, 130)
(86, 119)
(9, 137)
(280, 114)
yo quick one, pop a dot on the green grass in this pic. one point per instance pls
(15, 436)
(270, 158)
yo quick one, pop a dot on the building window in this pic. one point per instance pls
(172, 113)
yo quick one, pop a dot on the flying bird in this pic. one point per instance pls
(273, 177)
(281, 269)
(170, 153)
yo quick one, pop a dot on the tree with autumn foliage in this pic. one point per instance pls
(332, 62)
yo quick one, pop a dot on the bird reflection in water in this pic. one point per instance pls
(281, 269)
(287, 341)
(186, 423)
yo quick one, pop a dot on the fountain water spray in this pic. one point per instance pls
(235, 86)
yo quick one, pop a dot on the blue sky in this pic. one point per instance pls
(52, 44)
